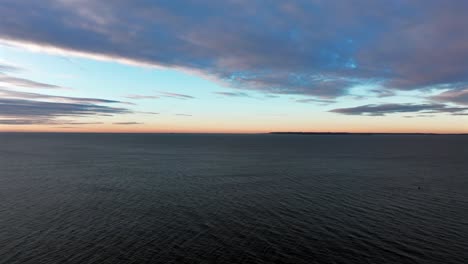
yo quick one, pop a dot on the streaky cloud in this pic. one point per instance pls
(147, 113)
(141, 97)
(127, 123)
(384, 109)
(24, 111)
(6, 93)
(313, 100)
(46, 121)
(25, 83)
(9, 68)
(453, 96)
(176, 95)
(233, 94)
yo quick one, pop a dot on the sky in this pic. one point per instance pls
(234, 66)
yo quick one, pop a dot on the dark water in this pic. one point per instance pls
(89, 198)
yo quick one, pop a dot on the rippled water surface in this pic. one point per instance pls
(101, 198)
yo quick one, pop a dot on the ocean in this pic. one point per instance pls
(208, 198)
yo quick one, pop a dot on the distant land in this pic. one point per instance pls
(363, 134)
(260, 133)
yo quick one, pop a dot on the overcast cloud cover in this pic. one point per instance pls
(315, 48)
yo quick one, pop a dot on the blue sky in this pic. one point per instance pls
(233, 66)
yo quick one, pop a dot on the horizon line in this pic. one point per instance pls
(235, 133)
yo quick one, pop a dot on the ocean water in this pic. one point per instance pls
(123, 198)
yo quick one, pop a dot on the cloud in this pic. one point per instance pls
(30, 108)
(383, 93)
(127, 123)
(183, 115)
(9, 80)
(384, 109)
(176, 95)
(312, 100)
(25, 83)
(27, 108)
(140, 97)
(147, 113)
(5, 93)
(233, 94)
(43, 122)
(457, 96)
(22, 111)
(9, 68)
(416, 116)
(161, 94)
(315, 48)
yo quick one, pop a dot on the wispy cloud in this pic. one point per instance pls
(147, 113)
(23, 111)
(25, 83)
(9, 68)
(140, 97)
(44, 121)
(6, 79)
(384, 109)
(313, 100)
(233, 94)
(383, 92)
(30, 108)
(127, 123)
(159, 95)
(418, 116)
(176, 95)
(5, 93)
(183, 115)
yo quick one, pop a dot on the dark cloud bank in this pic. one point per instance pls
(314, 48)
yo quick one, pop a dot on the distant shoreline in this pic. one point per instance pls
(260, 133)
(364, 133)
